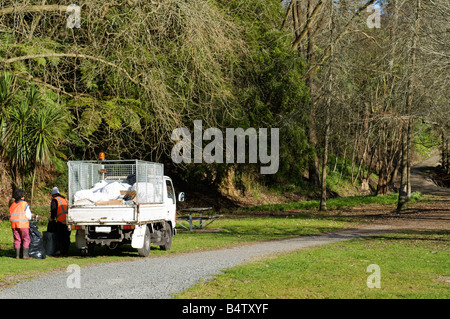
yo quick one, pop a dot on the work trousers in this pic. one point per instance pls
(63, 238)
(21, 237)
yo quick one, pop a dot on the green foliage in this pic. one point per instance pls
(34, 124)
(425, 140)
(270, 88)
(90, 121)
(48, 129)
(5, 88)
(146, 69)
(17, 143)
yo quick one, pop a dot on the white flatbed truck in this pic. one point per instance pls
(144, 214)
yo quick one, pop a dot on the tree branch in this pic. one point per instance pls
(36, 8)
(302, 34)
(73, 55)
(287, 14)
(327, 52)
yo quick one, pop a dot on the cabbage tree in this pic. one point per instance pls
(34, 127)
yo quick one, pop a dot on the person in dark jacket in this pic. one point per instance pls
(58, 212)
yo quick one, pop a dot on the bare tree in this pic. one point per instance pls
(405, 184)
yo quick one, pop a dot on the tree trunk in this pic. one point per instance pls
(408, 161)
(343, 165)
(405, 186)
(312, 129)
(444, 153)
(447, 159)
(323, 197)
(446, 162)
(32, 186)
(312, 13)
(403, 190)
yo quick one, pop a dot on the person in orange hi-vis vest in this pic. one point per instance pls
(19, 215)
(58, 212)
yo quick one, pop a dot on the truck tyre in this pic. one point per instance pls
(145, 250)
(167, 238)
(88, 251)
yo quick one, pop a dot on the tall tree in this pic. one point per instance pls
(328, 107)
(405, 184)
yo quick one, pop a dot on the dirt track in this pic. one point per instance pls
(421, 180)
(432, 215)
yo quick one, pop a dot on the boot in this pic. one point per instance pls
(17, 253)
(25, 253)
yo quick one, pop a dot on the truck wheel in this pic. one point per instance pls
(145, 250)
(88, 251)
(167, 238)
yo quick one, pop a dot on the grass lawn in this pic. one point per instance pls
(412, 265)
(336, 203)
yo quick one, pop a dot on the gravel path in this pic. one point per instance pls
(161, 277)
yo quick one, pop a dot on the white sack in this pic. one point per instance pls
(112, 190)
(99, 185)
(84, 194)
(102, 191)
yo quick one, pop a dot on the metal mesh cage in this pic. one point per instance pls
(146, 178)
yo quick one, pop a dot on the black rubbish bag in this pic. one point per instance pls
(131, 179)
(49, 242)
(36, 250)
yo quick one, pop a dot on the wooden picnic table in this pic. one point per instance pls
(196, 214)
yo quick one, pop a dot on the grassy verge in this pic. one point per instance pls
(412, 265)
(334, 203)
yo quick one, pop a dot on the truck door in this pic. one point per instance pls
(170, 200)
